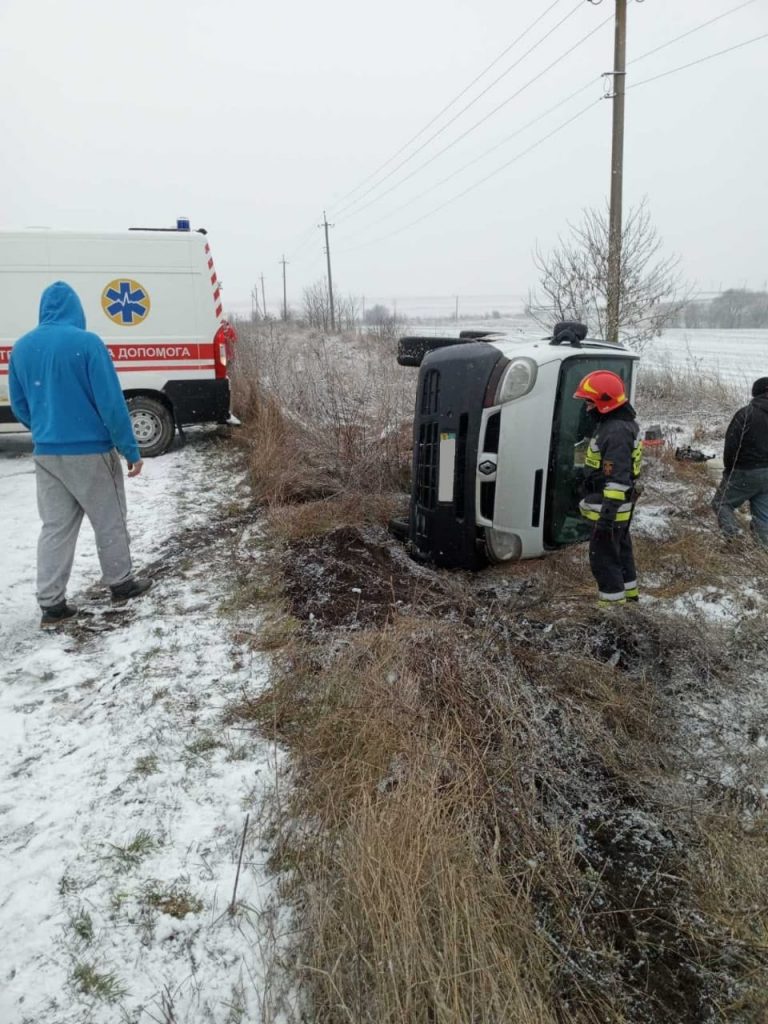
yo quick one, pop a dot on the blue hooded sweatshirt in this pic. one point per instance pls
(63, 384)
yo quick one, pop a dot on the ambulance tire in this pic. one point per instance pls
(152, 424)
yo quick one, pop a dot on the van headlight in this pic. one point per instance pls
(502, 546)
(517, 380)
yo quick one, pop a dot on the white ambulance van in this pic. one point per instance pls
(154, 298)
(499, 443)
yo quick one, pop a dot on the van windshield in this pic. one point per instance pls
(571, 431)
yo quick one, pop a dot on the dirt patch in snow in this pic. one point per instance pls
(354, 577)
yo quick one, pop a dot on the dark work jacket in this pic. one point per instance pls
(612, 465)
(746, 440)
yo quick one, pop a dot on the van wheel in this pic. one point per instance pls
(152, 424)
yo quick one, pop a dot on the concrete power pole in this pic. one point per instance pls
(285, 300)
(263, 297)
(617, 173)
(326, 225)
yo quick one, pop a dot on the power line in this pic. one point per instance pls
(509, 138)
(690, 32)
(701, 60)
(482, 181)
(463, 110)
(455, 99)
(544, 138)
(483, 119)
(530, 123)
(310, 232)
(476, 159)
(306, 237)
(642, 56)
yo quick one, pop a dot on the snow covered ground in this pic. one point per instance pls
(123, 798)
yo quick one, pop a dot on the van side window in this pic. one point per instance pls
(571, 431)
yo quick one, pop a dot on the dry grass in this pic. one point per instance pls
(292, 523)
(489, 817)
(406, 904)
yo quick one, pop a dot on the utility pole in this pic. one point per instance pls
(263, 297)
(285, 300)
(617, 172)
(456, 312)
(326, 225)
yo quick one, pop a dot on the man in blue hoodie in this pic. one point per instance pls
(64, 388)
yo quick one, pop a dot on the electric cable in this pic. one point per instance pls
(305, 238)
(690, 32)
(509, 138)
(482, 156)
(544, 138)
(486, 117)
(339, 211)
(459, 138)
(701, 60)
(448, 105)
(482, 181)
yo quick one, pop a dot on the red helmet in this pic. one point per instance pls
(604, 388)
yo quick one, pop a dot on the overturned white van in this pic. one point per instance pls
(153, 296)
(497, 442)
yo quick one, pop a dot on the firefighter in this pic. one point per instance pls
(611, 469)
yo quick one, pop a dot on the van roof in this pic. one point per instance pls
(542, 350)
(169, 234)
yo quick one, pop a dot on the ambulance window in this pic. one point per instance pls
(571, 430)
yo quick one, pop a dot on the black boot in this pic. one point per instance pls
(134, 587)
(56, 614)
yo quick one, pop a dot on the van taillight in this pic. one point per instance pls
(220, 352)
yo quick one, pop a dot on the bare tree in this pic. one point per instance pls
(316, 307)
(573, 282)
(348, 312)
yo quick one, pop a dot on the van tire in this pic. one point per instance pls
(152, 424)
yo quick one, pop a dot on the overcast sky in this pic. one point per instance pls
(251, 118)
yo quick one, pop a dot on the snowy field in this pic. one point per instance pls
(122, 797)
(734, 356)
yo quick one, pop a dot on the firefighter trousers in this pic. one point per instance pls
(612, 563)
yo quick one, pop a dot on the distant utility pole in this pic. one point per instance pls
(456, 313)
(326, 225)
(263, 297)
(285, 300)
(619, 75)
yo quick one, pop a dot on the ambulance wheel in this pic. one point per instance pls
(152, 424)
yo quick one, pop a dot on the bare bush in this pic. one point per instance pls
(339, 412)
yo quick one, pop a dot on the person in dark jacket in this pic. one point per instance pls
(612, 466)
(745, 461)
(64, 388)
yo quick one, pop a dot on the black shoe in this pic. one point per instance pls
(57, 614)
(133, 587)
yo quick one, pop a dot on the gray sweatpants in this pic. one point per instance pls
(68, 487)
